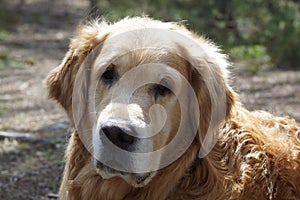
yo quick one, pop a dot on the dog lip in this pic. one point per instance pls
(100, 166)
(139, 178)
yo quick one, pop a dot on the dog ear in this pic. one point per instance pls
(208, 77)
(214, 95)
(60, 81)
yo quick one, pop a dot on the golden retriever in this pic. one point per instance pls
(153, 117)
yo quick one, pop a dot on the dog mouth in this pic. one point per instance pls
(134, 179)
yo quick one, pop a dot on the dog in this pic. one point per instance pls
(153, 117)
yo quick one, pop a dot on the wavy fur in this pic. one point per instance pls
(257, 155)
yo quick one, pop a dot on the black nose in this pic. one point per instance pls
(119, 137)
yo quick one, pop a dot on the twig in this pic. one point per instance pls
(53, 195)
(27, 137)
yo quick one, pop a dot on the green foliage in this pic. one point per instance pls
(250, 52)
(5, 60)
(7, 21)
(252, 58)
(273, 24)
(8, 61)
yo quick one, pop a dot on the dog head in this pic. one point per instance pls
(140, 92)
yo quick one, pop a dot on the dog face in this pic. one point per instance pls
(131, 87)
(137, 116)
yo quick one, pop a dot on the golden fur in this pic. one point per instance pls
(257, 155)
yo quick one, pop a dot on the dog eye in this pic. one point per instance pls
(109, 75)
(161, 91)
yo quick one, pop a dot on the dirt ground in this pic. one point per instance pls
(31, 169)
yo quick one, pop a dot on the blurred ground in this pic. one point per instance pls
(32, 169)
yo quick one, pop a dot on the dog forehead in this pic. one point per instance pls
(133, 24)
(160, 61)
(142, 35)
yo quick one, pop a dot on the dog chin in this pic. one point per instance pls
(133, 179)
